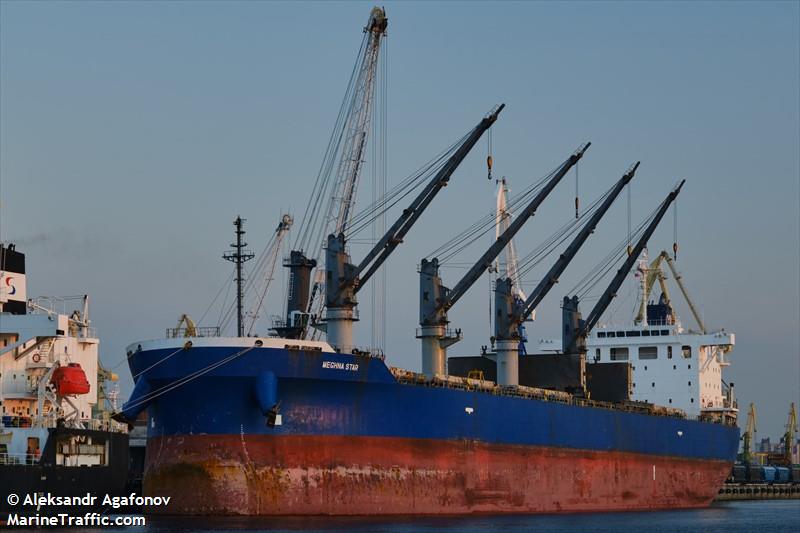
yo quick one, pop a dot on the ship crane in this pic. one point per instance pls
(344, 279)
(656, 272)
(503, 218)
(510, 313)
(788, 437)
(266, 267)
(748, 437)
(574, 328)
(436, 299)
(348, 141)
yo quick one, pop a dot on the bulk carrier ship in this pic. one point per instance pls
(294, 425)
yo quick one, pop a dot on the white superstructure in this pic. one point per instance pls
(671, 365)
(49, 373)
(31, 347)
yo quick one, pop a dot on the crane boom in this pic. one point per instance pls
(381, 251)
(682, 287)
(748, 437)
(485, 261)
(575, 329)
(655, 272)
(267, 267)
(551, 278)
(436, 299)
(356, 129)
(349, 140)
(788, 437)
(344, 279)
(503, 217)
(510, 313)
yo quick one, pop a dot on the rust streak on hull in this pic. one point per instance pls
(345, 475)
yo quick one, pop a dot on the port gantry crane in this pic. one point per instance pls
(510, 312)
(788, 437)
(574, 328)
(344, 279)
(654, 271)
(748, 437)
(436, 299)
(349, 140)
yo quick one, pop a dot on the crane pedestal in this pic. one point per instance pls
(435, 340)
(339, 327)
(507, 363)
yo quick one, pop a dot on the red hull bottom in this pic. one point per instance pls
(301, 475)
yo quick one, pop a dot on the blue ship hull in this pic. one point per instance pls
(228, 417)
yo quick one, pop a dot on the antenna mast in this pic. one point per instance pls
(239, 256)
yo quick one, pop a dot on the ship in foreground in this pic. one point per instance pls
(288, 426)
(56, 435)
(293, 425)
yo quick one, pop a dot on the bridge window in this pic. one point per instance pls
(601, 334)
(669, 352)
(664, 332)
(619, 354)
(633, 333)
(648, 352)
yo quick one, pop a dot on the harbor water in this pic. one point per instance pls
(724, 517)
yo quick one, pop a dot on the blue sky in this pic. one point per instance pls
(131, 135)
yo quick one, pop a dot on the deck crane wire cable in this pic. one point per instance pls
(419, 178)
(450, 249)
(602, 268)
(548, 246)
(628, 186)
(675, 230)
(266, 273)
(577, 197)
(311, 224)
(252, 276)
(483, 225)
(223, 307)
(225, 285)
(606, 262)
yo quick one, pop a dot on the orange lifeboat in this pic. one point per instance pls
(70, 380)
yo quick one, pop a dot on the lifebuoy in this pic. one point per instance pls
(36, 358)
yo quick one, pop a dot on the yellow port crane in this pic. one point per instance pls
(748, 437)
(785, 457)
(656, 272)
(788, 437)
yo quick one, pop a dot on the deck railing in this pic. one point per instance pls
(180, 333)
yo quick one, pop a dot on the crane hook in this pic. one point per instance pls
(489, 166)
